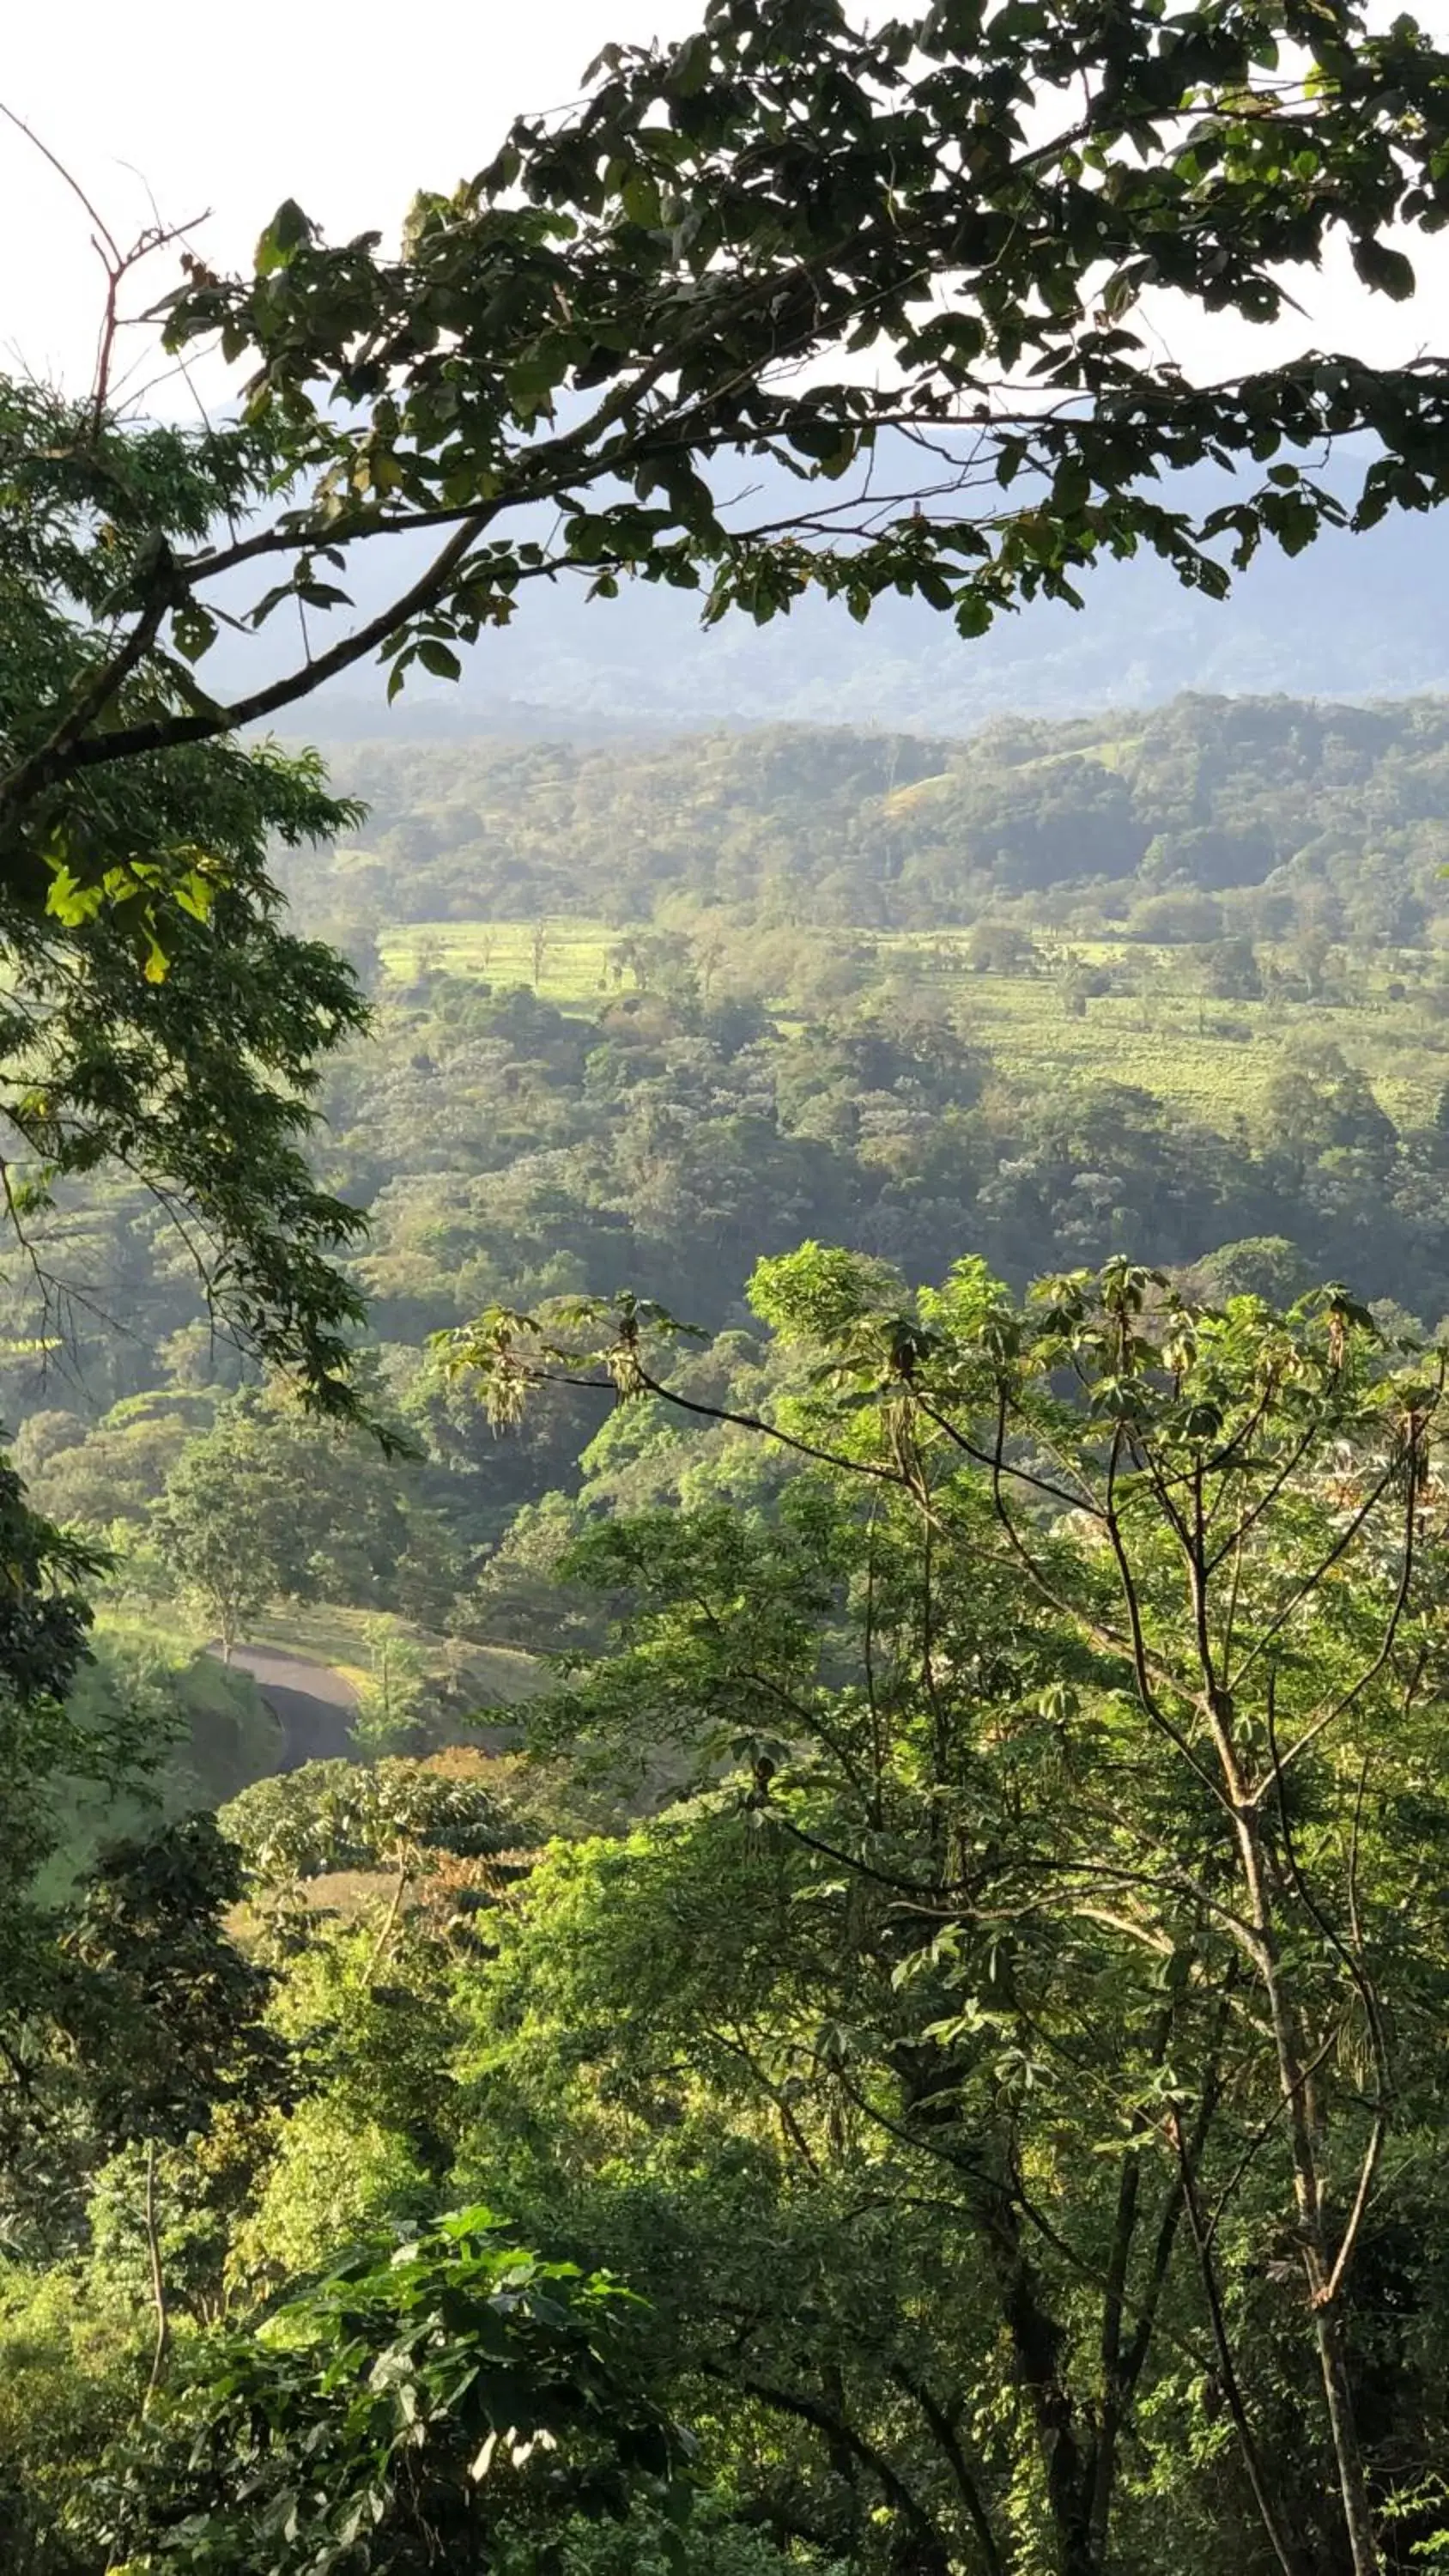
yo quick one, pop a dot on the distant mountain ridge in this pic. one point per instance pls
(1355, 617)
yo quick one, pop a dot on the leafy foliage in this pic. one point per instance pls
(1088, 1673)
(398, 2414)
(997, 2029)
(173, 2010)
(344, 1815)
(158, 1016)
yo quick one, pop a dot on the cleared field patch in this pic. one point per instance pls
(563, 960)
(1211, 1058)
(1214, 1058)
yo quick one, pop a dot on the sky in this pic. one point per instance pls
(225, 112)
(348, 108)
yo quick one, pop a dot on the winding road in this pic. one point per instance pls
(312, 1703)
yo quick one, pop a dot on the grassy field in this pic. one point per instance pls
(575, 954)
(1210, 1058)
(496, 1676)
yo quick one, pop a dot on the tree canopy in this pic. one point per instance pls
(495, 2394)
(159, 1016)
(1175, 1571)
(901, 267)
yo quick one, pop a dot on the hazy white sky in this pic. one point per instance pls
(236, 108)
(351, 108)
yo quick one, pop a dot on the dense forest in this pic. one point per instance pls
(564, 1865)
(552, 1105)
(724, 1527)
(1280, 812)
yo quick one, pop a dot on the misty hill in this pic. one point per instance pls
(1259, 814)
(1353, 617)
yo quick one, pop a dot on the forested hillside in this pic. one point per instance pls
(1182, 996)
(558, 1108)
(1284, 812)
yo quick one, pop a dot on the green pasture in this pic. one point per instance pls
(1211, 1058)
(496, 1676)
(574, 957)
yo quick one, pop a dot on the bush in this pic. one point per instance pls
(346, 1815)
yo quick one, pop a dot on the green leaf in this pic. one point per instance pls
(1387, 271)
(639, 197)
(690, 67)
(193, 629)
(288, 232)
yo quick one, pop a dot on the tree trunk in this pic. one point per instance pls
(390, 1921)
(1308, 2199)
(1036, 2344)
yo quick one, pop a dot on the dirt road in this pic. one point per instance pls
(312, 1703)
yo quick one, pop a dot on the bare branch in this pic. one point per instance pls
(1282, 2547)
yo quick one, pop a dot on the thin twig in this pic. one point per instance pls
(158, 2281)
